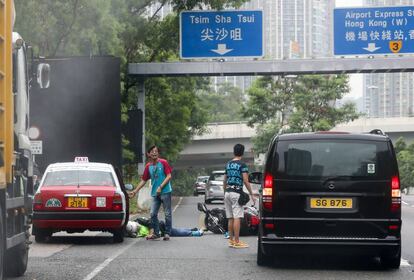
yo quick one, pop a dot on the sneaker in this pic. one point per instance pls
(166, 237)
(197, 233)
(226, 235)
(153, 237)
(240, 245)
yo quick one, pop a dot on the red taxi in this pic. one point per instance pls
(78, 196)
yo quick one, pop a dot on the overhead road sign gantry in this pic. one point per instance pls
(219, 34)
(376, 30)
(273, 67)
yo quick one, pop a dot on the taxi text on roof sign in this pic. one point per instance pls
(81, 159)
(376, 30)
(217, 34)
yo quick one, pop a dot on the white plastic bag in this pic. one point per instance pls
(144, 197)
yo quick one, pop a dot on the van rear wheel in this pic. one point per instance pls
(391, 261)
(262, 258)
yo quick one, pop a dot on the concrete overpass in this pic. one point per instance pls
(215, 148)
(393, 127)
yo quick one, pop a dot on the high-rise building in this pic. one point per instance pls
(388, 94)
(296, 28)
(292, 29)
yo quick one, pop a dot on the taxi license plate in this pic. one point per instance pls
(331, 203)
(77, 202)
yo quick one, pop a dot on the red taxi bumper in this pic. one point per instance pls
(79, 220)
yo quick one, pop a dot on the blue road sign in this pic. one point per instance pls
(369, 31)
(212, 34)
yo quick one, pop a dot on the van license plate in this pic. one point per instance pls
(331, 203)
(77, 202)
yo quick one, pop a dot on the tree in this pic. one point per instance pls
(70, 27)
(405, 158)
(148, 39)
(298, 104)
(170, 107)
(124, 28)
(400, 145)
(223, 105)
(314, 100)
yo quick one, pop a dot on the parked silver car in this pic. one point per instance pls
(214, 187)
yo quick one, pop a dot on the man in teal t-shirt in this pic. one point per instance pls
(159, 171)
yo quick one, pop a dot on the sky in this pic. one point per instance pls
(355, 79)
(348, 3)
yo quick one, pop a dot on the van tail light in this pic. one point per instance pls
(117, 202)
(395, 194)
(393, 227)
(37, 202)
(268, 192)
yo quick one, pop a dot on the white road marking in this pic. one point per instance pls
(109, 260)
(178, 204)
(117, 254)
(404, 202)
(404, 262)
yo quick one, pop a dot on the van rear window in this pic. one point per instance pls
(326, 158)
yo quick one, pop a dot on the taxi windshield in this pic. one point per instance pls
(79, 177)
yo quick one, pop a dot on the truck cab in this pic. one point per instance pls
(16, 161)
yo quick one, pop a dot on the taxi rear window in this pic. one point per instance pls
(79, 177)
(323, 158)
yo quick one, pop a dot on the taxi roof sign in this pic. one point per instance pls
(81, 159)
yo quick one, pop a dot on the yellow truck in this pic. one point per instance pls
(16, 160)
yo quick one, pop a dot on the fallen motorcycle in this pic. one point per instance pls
(215, 220)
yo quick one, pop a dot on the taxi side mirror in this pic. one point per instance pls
(129, 187)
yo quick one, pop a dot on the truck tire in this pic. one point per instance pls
(2, 244)
(17, 264)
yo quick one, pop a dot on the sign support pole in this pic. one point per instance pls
(141, 106)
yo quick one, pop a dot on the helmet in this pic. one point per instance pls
(143, 221)
(132, 228)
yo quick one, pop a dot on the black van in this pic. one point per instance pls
(331, 192)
